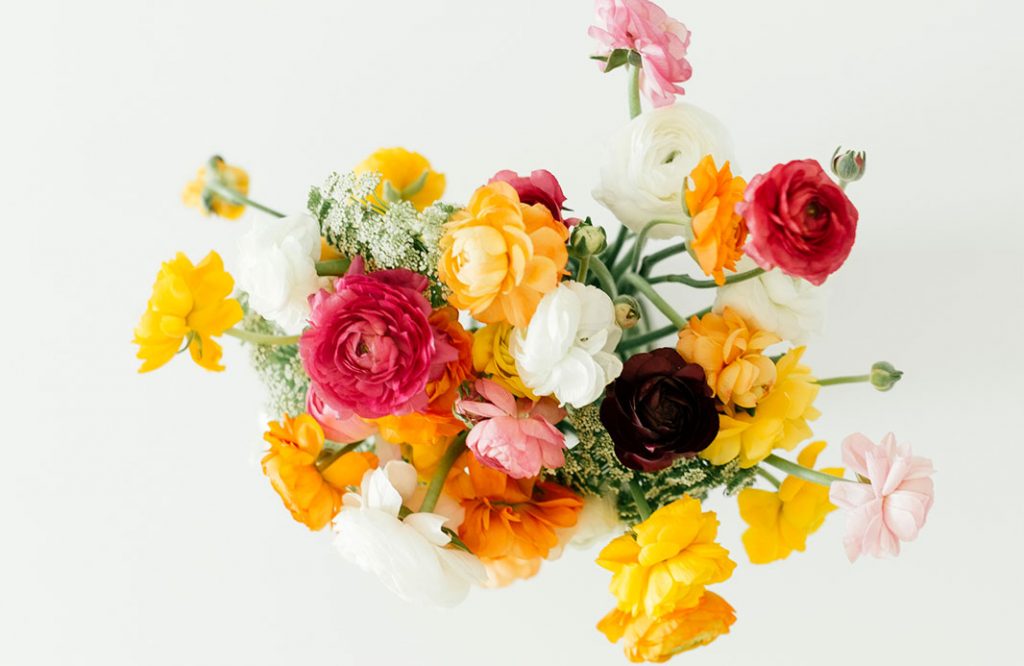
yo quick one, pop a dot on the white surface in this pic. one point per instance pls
(137, 526)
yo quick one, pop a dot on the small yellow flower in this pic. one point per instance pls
(404, 175)
(667, 560)
(659, 639)
(187, 302)
(491, 356)
(781, 521)
(779, 420)
(205, 192)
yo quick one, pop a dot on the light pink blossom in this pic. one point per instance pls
(517, 437)
(337, 428)
(893, 505)
(661, 41)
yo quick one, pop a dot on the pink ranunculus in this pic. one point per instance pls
(800, 221)
(893, 505)
(540, 187)
(369, 348)
(344, 430)
(517, 437)
(661, 41)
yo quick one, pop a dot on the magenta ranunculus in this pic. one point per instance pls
(540, 187)
(800, 221)
(661, 41)
(369, 347)
(336, 428)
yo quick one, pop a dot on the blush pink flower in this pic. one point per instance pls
(516, 437)
(661, 41)
(344, 430)
(369, 348)
(893, 505)
(800, 221)
(540, 187)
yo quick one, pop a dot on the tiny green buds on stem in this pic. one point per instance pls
(849, 165)
(587, 240)
(627, 312)
(884, 376)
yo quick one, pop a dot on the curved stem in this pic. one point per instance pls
(649, 261)
(645, 338)
(604, 276)
(641, 240)
(262, 338)
(444, 465)
(655, 298)
(768, 476)
(238, 197)
(634, 91)
(642, 505)
(706, 284)
(848, 379)
(333, 267)
(805, 473)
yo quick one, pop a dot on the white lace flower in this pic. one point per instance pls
(278, 268)
(790, 307)
(567, 349)
(648, 160)
(410, 555)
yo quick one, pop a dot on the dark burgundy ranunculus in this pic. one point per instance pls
(540, 187)
(660, 408)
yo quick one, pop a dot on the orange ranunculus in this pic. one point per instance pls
(658, 639)
(509, 517)
(313, 498)
(731, 351)
(718, 230)
(500, 256)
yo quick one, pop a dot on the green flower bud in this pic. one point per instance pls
(884, 376)
(587, 240)
(627, 312)
(849, 165)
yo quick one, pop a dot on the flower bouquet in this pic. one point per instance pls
(460, 390)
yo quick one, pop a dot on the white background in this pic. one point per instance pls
(137, 527)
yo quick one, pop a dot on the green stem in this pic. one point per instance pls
(444, 465)
(638, 498)
(332, 453)
(612, 253)
(262, 338)
(634, 91)
(604, 276)
(641, 240)
(802, 472)
(239, 198)
(333, 266)
(768, 476)
(655, 298)
(706, 284)
(644, 338)
(849, 379)
(581, 272)
(649, 261)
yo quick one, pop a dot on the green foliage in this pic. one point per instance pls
(278, 366)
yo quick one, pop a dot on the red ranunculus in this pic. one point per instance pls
(540, 187)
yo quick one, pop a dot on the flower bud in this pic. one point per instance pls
(587, 240)
(884, 376)
(849, 165)
(627, 312)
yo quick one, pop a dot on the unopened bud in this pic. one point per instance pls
(587, 240)
(884, 376)
(849, 165)
(627, 312)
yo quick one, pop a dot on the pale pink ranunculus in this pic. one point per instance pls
(893, 505)
(540, 187)
(661, 41)
(344, 430)
(370, 348)
(517, 437)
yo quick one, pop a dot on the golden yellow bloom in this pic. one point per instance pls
(491, 356)
(719, 232)
(202, 192)
(405, 175)
(312, 497)
(659, 639)
(501, 256)
(731, 351)
(780, 521)
(187, 302)
(779, 421)
(667, 560)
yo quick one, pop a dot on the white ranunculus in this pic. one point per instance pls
(648, 161)
(790, 307)
(410, 555)
(278, 268)
(598, 518)
(567, 349)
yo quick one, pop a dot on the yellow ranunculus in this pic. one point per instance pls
(499, 256)
(491, 356)
(780, 521)
(199, 193)
(667, 560)
(658, 639)
(187, 302)
(407, 174)
(779, 421)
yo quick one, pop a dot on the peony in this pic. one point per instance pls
(659, 409)
(370, 348)
(661, 41)
(516, 437)
(800, 221)
(277, 260)
(892, 506)
(648, 161)
(410, 555)
(789, 307)
(540, 187)
(568, 348)
(344, 430)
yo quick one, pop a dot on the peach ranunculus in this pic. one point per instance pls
(656, 639)
(499, 256)
(506, 517)
(313, 497)
(504, 571)
(731, 351)
(719, 232)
